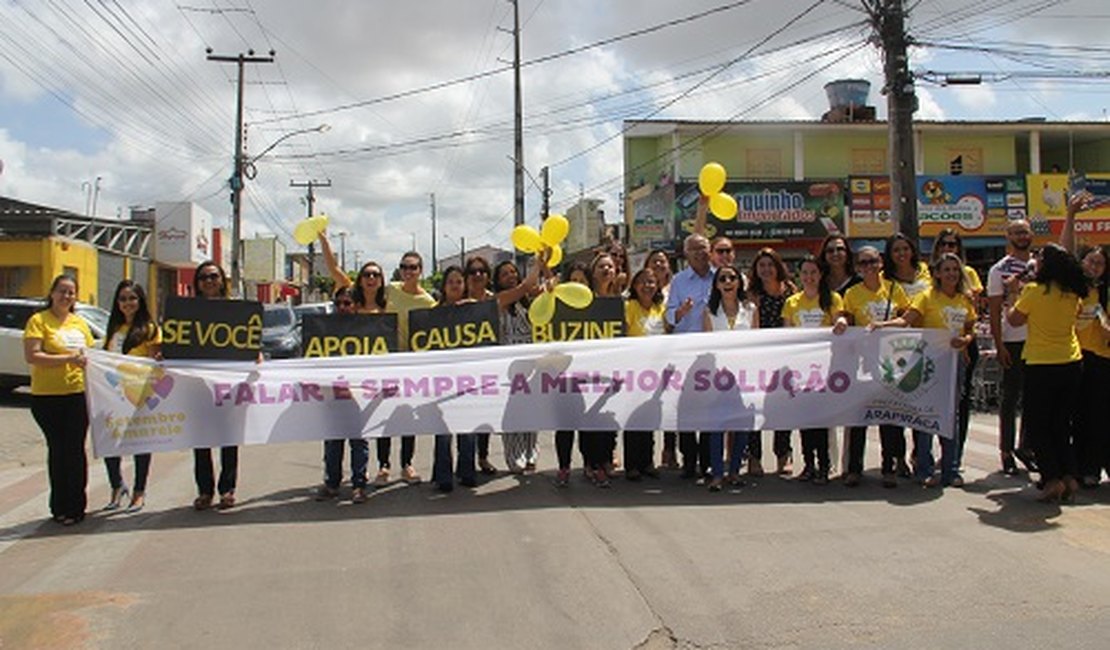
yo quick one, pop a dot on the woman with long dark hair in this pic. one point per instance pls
(1050, 306)
(54, 342)
(1092, 437)
(816, 305)
(727, 309)
(132, 331)
(452, 291)
(902, 263)
(643, 316)
(564, 439)
(512, 294)
(769, 288)
(837, 264)
(210, 283)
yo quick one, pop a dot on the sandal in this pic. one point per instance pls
(202, 502)
(227, 501)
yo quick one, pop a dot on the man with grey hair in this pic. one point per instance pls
(689, 293)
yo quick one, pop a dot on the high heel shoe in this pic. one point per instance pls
(138, 500)
(1053, 491)
(118, 495)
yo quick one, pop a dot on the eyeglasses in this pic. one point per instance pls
(871, 261)
(369, 275)
(206, 277)
(410, 267)
(344, 303)
(836, 249)
(477, 272)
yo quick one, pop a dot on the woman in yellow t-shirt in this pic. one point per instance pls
(814, 306)
(1053, 365)
(943, 306)
(54, 341)
(1093, 330)
(875, 300)
(902, 263)
(643, 316)
(131, 331)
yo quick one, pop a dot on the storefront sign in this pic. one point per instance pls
(770, 211)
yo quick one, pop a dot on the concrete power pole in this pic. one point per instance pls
(236, 181)
(435, 262)
(310, 201)
(545, 176)
(888, 17)
(518, 131)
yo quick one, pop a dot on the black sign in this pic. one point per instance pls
(603, 319)
(341, 335)
(196, 328)
(469, 325)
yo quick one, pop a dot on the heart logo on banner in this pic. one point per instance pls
(141, 385)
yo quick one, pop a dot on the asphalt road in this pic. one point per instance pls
(519, 563)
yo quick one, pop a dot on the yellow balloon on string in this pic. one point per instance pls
(575, 294)
(711, 178)
(723, 206)
(554, 230)
(542, 309)
(307, 230)
(555, 257)
(527, 239)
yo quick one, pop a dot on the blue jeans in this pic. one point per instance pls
(441, 466)
(333, 462)
(949, 460)
(717, 452)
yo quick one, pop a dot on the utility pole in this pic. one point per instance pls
(545, 176)
(888, 17)
(236, 180)
(518, 131)
(435, 263)
(343, 250)
(96, 196)
(310, 201)
(462, 251)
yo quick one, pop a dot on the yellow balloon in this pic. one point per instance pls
(527, 239)
(555, 229)
(319, 222)
(305, 232)
(555, 257)
(723, 206)
(542, 309)
(711, 178)
(575, 294)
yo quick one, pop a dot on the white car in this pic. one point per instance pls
(14, 313)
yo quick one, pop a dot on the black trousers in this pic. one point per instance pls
(815, 449)
(385, 447)
(1092, 434)
(639, 450)
(115, 476)
(64, 422)
(781, 444)
(597, 447)
(1052, 391)
(892, 440)
(483, 445)
(203, 473)
(564, 447)
(1013, 382)
(695, 453)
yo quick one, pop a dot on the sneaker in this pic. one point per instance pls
(822, 478)
(633, 475)
(807, 474)
(957, 482)
(715, 485)
(325, 493)
(931, 482)
(851, 480)
(409, 475)
(382, 479)
(358, 495)
(890, 480)
(562, 479)
(735, 481)
(755, 467)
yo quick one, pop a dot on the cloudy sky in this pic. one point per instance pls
(419, 99)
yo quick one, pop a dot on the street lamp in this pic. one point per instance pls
(244, 168)
(461, 245)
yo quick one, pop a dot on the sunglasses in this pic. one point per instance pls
(727, 278)
(836, 249)
(410, 267)
(948, 244)
(371, 274)
(344, 303)
(723, 251)
(205, 277)
(477, 272)
(871, 261)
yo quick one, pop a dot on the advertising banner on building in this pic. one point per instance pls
(731, 380)
(652, 221)
(1048, 204)
(870, 215)
(770, 211)
(976, 206)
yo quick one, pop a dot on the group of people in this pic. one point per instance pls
(1047, 319)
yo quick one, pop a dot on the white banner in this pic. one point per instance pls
(739, 380)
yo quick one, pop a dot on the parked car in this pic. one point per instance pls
(311, 308)
(281, 337)
(14, 313)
